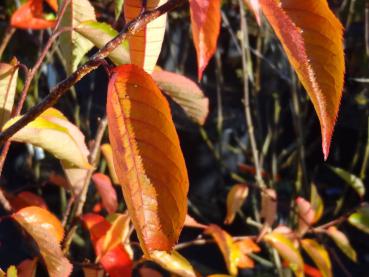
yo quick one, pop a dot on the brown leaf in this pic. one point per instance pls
(235, 199)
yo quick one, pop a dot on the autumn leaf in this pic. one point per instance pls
(312, 37)
(108, 155)
(147, 157)
(27, 268)
(174, 262)
(342, 242)
(100, 33)
(30, 16)
(205, 23)
(235, 199)
(185, 93)
(25, 199)
(117, 262)
(230, 251)
(106, 191)
(145, 45)
(8, 83)
(247, 246)
(74, 46)
(319, 255)
(191, 222)
(117, 234)
(48, 232)
(54, 133)
(306, 215)
(287, 250)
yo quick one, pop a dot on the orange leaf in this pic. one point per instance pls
(108, 155)
(29, 16)
(117, 262)
(106, 191)
(311, 271)
(319, 255)
(312, 37)
(246, 247)
(117, 234)
(205, 21)
(25, 199)
(254, 6)
(235, 199)
(47, 231)
(147, 157)
(191, 222)
(145, 46)
(53, 4)
(185, 93)
(306, 215)
(231, 252)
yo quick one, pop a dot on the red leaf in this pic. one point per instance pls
(117, 262)
(27, 268)
(205, 21)
(106, 191)
(30, 16)
(25, 199)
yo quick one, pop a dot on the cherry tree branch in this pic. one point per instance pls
(94, 62)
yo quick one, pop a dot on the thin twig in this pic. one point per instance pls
(94, 62)
(249, 121)
(9, 32)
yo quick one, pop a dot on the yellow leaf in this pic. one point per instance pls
(8, 84)
(145, 46)
(316, 203)
(53, 132)
(319, 255)
(47, 231)
(312, 37)
(147, 158)
(174, 262)
(342, 242)
(108, 155)
(287, 250)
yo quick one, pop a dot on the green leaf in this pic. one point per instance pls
(316, 203)
(360, 219)
(8, 84)
(101, 33)
(319, 255)
(353, 181)
(118, 5)
(53, 132)
(72, 45)
(342, 242)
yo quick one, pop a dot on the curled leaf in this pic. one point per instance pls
(306, 215)
(235, 199)
(53, 132)
(147, 157)
(47, 231)
(185, 93)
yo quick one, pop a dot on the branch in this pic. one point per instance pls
(94, 62)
